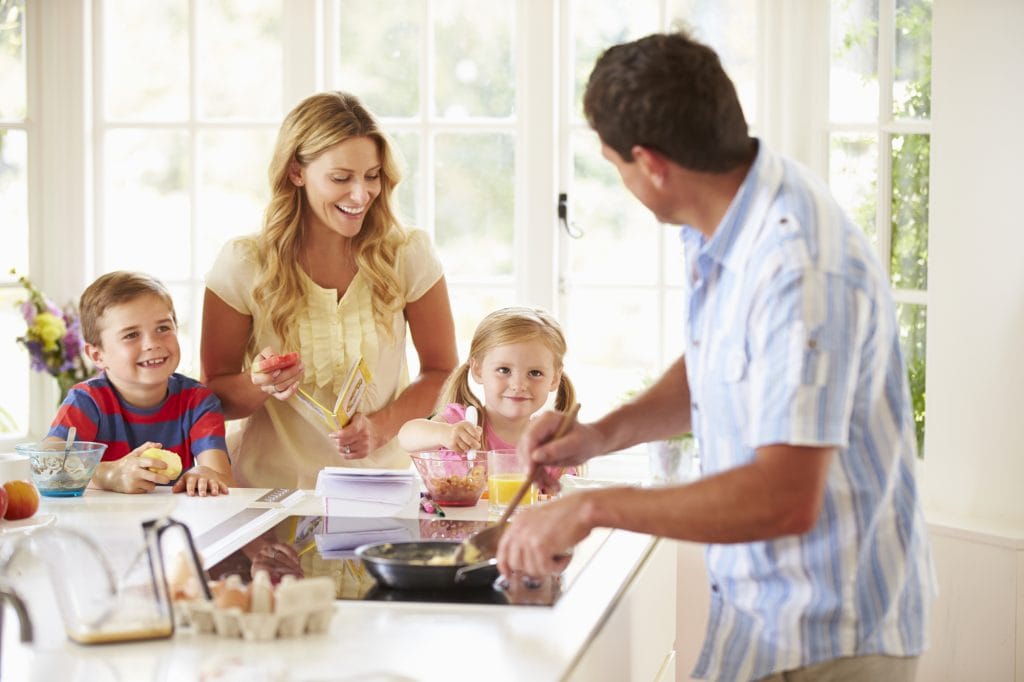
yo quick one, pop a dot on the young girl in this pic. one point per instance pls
(516, 356)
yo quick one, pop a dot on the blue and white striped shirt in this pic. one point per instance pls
(793, 339)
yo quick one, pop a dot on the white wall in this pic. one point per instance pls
(973, 473)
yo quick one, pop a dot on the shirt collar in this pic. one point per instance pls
(727, 243)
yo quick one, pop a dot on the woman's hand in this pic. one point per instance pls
(131, 473)
(281, 382)
(358, 439)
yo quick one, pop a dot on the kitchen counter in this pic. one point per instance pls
(616, 620)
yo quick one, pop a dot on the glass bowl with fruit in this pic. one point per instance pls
(453, 479)
(60, 469)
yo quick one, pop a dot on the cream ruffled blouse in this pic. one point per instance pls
(284, 444)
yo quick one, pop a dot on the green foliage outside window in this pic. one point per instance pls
(910, 159)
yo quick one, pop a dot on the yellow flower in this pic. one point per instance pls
(49, 329)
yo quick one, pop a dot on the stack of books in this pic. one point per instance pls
(351, 491)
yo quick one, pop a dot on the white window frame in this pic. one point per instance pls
(66, 128)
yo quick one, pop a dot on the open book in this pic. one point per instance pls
(347, 404)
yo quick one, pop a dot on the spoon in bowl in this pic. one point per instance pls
(471, 418)
(483, 545)
(68, 444)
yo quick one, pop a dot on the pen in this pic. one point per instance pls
(429, 506)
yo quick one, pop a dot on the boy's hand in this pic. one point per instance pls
(201, 481)
(131, 473)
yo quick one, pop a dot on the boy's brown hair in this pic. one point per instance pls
(115, 288)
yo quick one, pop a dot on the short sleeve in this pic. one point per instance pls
(419, 267)
(232, 276)
(78, 410)
(802, 367)
(453, 413)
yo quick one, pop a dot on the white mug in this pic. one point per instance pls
(14, 467)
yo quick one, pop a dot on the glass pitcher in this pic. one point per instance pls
(99, 603)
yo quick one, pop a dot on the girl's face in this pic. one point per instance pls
(340, 185)
(516, 378)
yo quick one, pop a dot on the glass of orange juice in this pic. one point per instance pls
(505, 474)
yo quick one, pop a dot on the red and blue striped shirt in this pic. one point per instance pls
(189, 421)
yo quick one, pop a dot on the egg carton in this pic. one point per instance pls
(300, 607)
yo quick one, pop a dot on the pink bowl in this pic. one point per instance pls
(451, 478)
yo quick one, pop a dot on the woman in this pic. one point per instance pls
(333, 276)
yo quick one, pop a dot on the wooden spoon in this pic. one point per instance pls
(483, 544)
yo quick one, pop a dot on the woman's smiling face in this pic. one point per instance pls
(341, 184)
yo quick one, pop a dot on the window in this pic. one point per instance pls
(187, 107)
(879, 142)
(15, 133)
(178, 104)
(623, 280)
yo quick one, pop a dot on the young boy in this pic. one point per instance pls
(138, 401)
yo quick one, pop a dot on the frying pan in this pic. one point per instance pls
(404, 566)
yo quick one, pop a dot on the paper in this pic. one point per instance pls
(342, 535)
(347, 404)
(367, 492)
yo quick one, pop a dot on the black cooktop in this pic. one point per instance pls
(307, 546)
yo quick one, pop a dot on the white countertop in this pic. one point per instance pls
(367, 640)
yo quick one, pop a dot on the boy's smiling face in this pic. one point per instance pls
(138, 348)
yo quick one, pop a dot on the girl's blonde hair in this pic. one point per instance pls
(316, 124)
(516, 324)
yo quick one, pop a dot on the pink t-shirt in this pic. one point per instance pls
(453, 413)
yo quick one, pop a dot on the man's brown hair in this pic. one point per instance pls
(669, 93)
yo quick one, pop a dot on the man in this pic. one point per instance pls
(792, 379)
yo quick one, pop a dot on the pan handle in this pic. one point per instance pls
(460, 574)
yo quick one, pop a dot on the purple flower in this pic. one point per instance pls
(28, 311)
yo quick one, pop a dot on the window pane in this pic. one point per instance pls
(14, 364)
(410, 189)
(620, 236)
(380, 62)
(853, 77)
(910, 166)
(912, 88)
(730, 28)
(239, 53)
(613, 343)
(475, 203)
(475, 65)
(853, 172)
(913, 333)
(470, 304)
(145, 59)
(14, 200)
(12, 60)
(599, 25)
(147, 204)
(189, 327)
(232, 190)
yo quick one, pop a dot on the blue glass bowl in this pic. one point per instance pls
(56, 475)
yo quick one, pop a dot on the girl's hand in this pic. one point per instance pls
(201, 481)
(463, 436)
(358, 439)
(131, 473)
(281, 382)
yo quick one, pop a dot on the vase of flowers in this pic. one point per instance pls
(53, 339)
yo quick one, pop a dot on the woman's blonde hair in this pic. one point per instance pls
(316, 124)
(516, 324)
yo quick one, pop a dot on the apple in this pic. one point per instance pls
(22, 500)
(3, 501)
(170, 458)
(276, 362)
